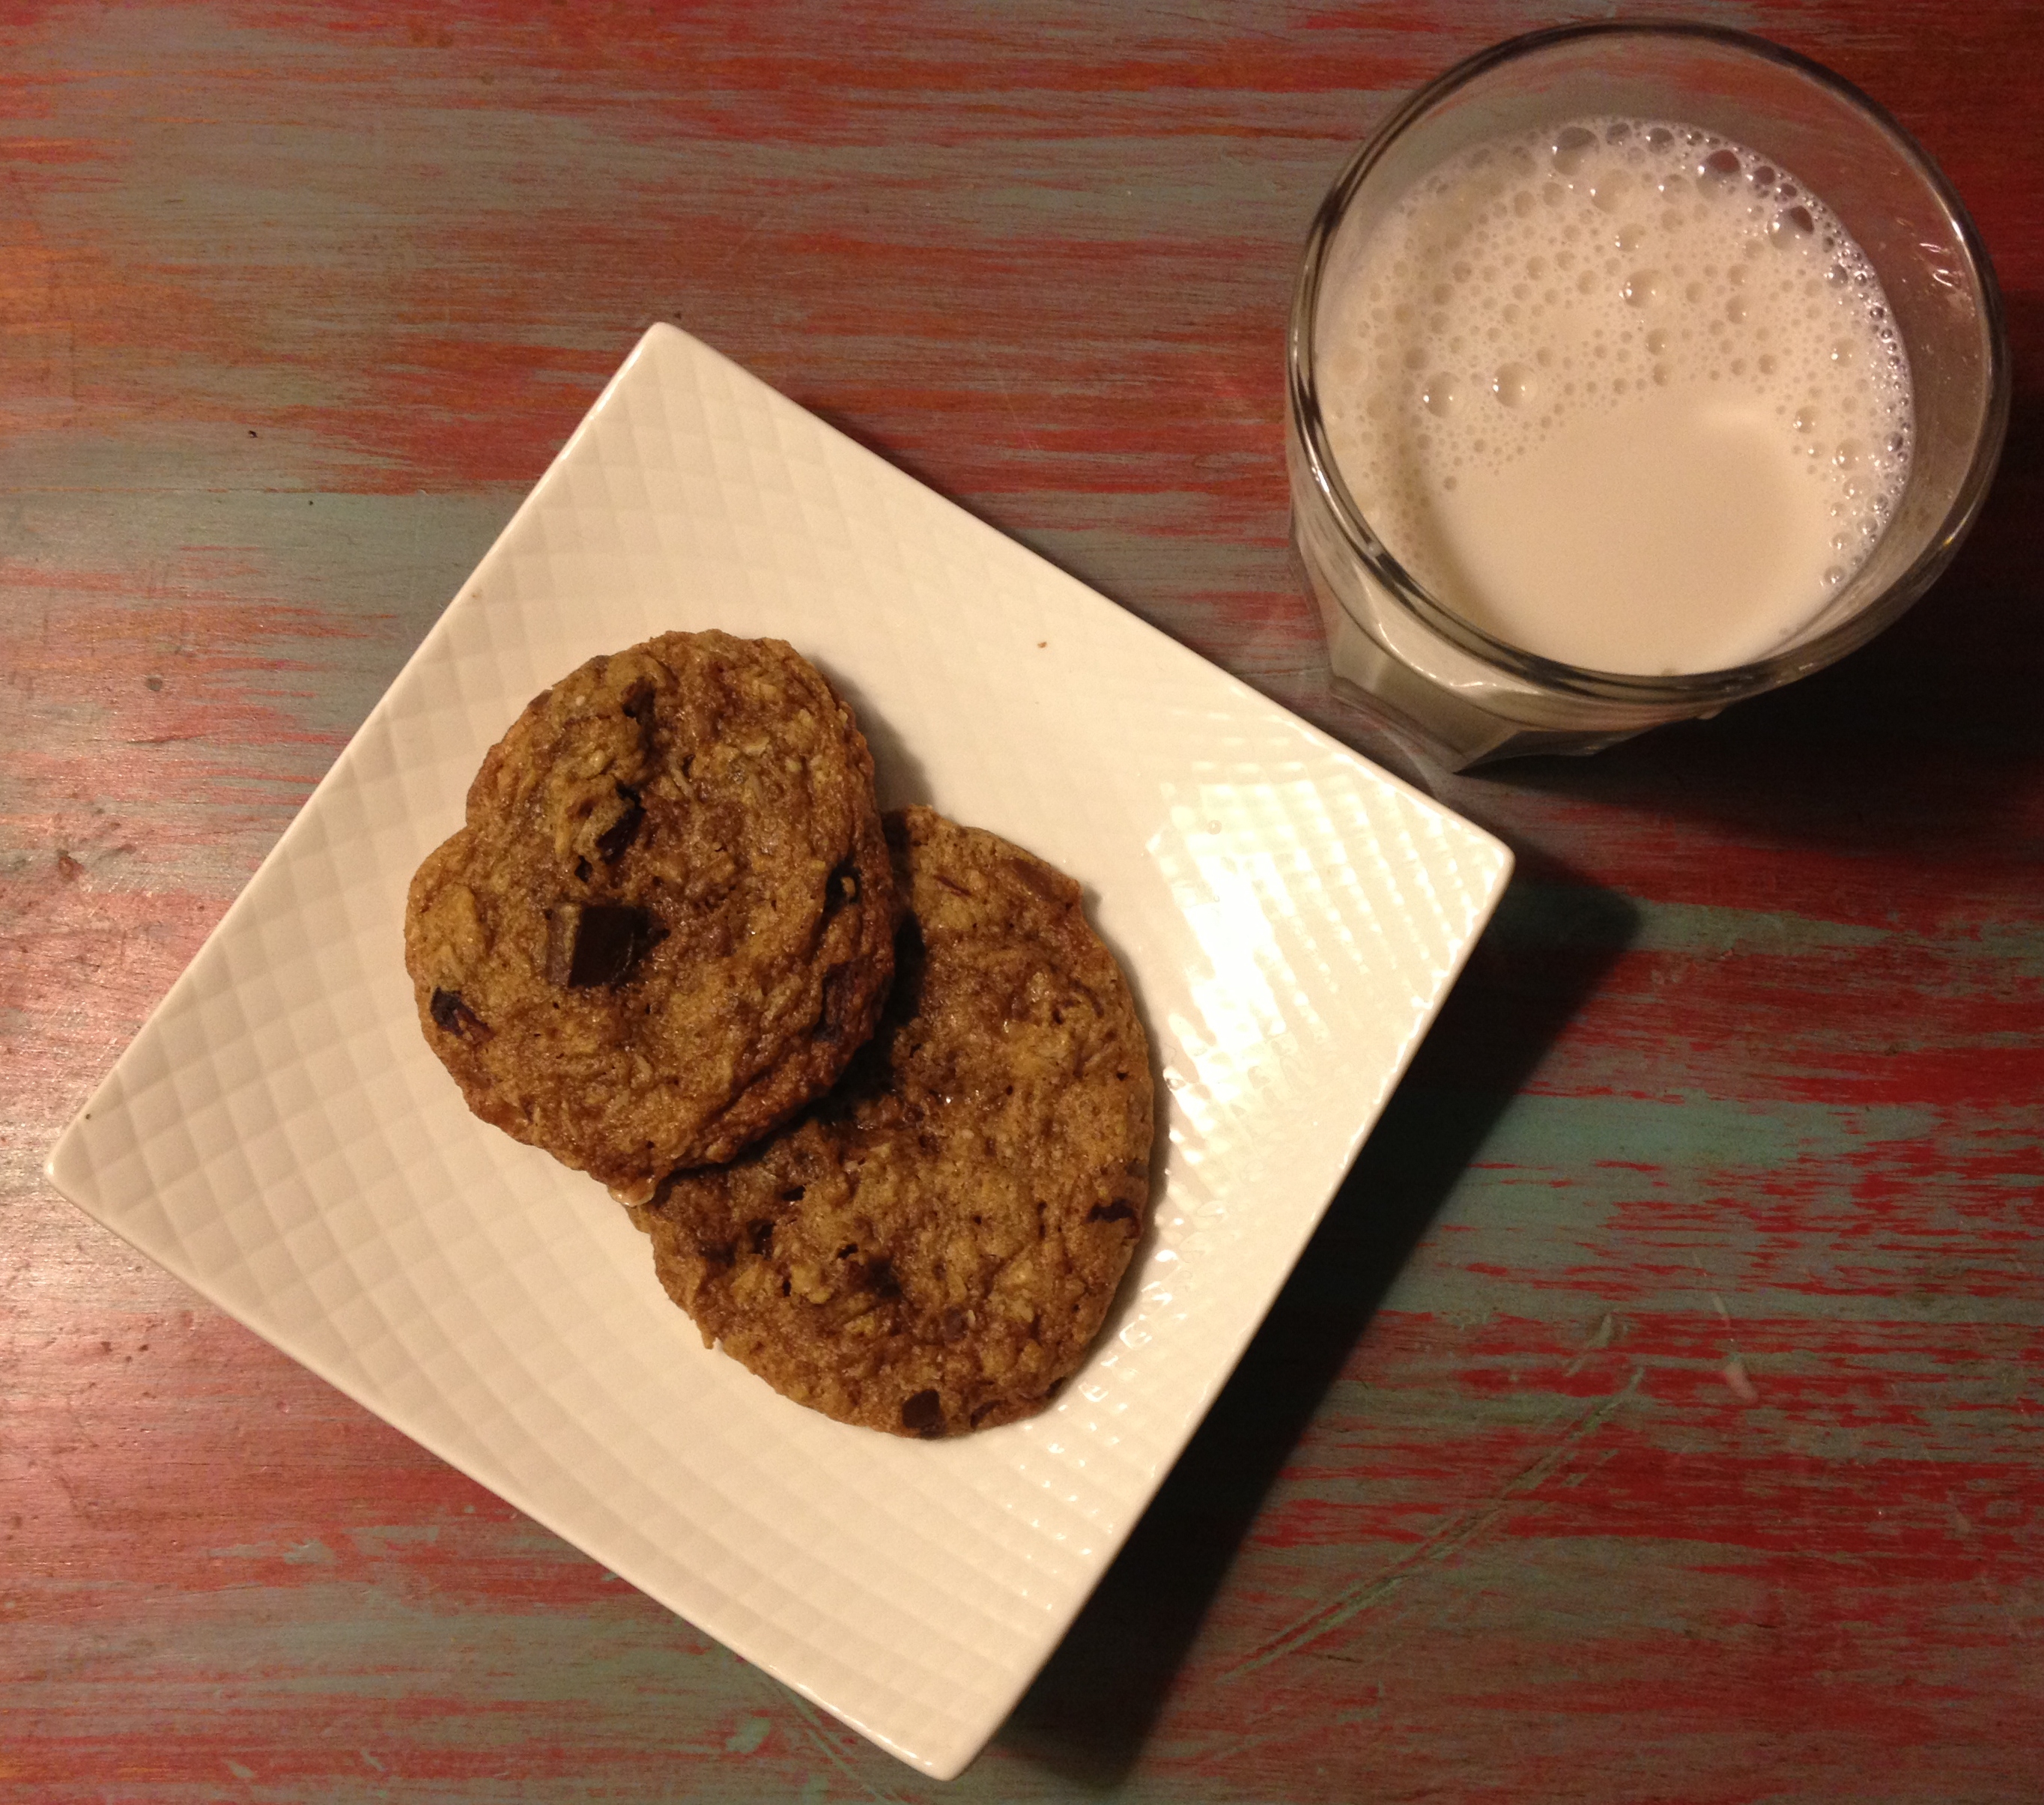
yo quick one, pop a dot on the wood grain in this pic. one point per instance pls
(1659, 1414)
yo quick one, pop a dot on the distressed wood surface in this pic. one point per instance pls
(1659, 1414)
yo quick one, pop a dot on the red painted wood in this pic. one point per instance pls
(1659, 1414)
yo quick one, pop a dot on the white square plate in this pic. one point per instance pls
(279, 1137)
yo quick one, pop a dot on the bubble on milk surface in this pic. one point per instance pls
(1590, 266)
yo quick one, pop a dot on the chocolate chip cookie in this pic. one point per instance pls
(669, 921)
(932, 1248)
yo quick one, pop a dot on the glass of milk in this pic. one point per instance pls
(1633, 370)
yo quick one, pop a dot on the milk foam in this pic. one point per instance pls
(1622, 394)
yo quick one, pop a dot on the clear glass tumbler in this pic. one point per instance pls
(1444, 686)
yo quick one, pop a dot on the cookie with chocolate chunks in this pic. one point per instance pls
(669, 920)
(933, 1247)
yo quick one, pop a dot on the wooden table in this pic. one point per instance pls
(1659, 1414)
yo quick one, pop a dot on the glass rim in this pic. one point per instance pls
(1733, 682)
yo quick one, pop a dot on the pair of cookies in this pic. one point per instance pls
(877, 1092)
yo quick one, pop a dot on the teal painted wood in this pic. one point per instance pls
(1657, 1414)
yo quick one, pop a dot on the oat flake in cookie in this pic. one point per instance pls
(933, 1247)
(669, 921)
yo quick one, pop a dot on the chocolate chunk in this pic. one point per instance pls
(589, 944)
(610, 939)
(830, 1026)
(452, 1015)
(615, 839)
(1116, 1211)
(924, 1413)
(1047, 883)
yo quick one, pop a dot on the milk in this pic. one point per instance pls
(1622, 394)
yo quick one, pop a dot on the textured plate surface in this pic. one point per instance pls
(279, 1137)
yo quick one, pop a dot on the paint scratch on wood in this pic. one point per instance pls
(1438, 1547)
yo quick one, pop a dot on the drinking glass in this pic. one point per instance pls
(1459, 695)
